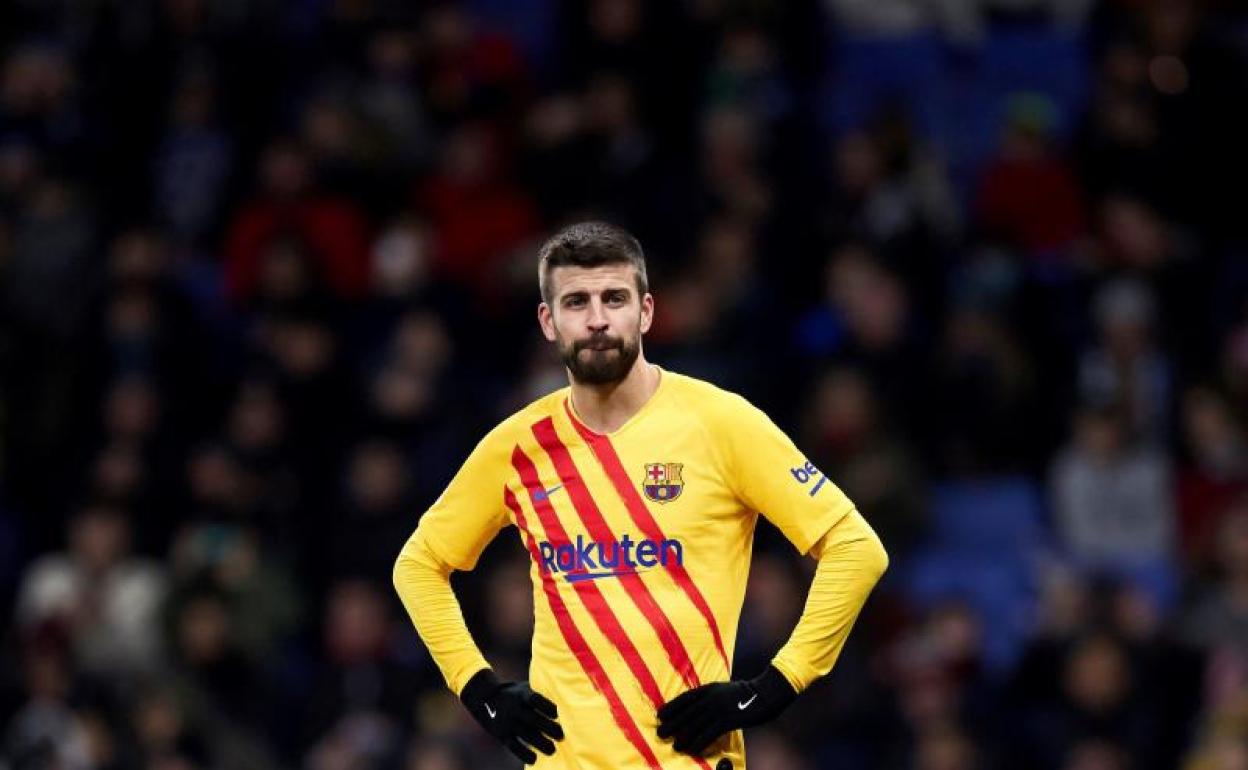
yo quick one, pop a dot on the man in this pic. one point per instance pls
(636, 492)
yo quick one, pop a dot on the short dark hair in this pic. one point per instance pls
(590, 244)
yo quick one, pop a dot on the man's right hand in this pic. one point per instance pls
(513, 713)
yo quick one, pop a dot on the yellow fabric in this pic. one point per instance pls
(851, 560)
(673, 497)
(424, 584)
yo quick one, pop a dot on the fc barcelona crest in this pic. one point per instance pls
(663, 483)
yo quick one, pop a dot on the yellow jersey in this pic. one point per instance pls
(640, 543)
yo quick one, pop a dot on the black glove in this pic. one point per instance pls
(513, 714)
(697, 717)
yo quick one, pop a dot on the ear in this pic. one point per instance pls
(546, 320)
(647, 312)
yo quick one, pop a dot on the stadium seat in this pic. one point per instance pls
(1013, 61)
(1001, 590)
(985, 536)
(987, 517)
(871, 74)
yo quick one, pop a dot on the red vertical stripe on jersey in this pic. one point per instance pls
(610, 462)
(589, 593)
(598, 528)
(580, 648)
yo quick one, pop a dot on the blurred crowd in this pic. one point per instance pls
(267, 273)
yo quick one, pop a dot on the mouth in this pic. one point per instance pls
(601, 346)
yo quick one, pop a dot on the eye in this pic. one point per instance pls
(574, 300)
(617, 297)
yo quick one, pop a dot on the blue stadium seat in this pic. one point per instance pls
(1036, 59)
(1001, 589)
(957, 98)
(869, 75)
(1013, 61)
(1157, 579)
(984, 537)
(987, 517)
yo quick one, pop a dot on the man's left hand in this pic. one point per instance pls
(696, 718)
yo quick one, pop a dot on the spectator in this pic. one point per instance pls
(477, 213)
(1126, 368)
(850, 441)
(289, 210)
(1112, 500)
(105, 600)
(1216, 472)
(1214, 620)
(194, 162)
(220, 692)
(161, 732)
(359, 701)
(390, 102)
(1028, 176)
(1098, 714)
(984, 395)
(892, 192)
(377, 508)
(46, 728)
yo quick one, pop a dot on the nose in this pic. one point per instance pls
(597, 320)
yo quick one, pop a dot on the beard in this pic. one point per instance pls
(601, 359)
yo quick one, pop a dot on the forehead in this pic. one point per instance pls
(572, 278)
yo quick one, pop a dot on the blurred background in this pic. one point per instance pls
(267, 273)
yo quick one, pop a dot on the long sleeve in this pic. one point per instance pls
(423, 582)
(851, 561)
(451, 536)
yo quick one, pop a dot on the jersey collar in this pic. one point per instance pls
(584, 430)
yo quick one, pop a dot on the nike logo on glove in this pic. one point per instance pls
(697, 718)
(494, 713)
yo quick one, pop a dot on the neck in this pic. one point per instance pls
(604, 408)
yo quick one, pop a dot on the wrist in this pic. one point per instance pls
(480, 687)
(773, 687)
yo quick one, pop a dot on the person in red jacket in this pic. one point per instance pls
(332, 232)
(478, 215)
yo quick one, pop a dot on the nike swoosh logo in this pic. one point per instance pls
(490, 711)
(746, 704)
(542, 494)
